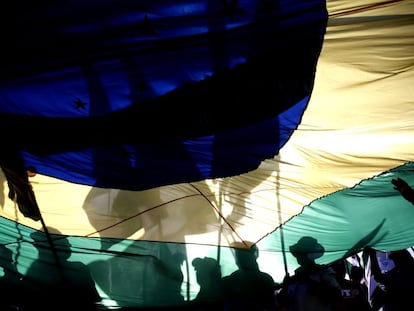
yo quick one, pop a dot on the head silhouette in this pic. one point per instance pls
(246, 258)
(401, 258)
(340, 268)
(357, 273)
(207, 271)
(43, 245)
(306, 251)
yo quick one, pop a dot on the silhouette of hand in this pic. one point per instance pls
(404, 188)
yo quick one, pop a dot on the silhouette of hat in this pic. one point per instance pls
(307, 245)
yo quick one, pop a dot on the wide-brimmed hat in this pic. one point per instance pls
(305, 246)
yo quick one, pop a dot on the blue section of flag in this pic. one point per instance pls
(142, 166)
(135, 96)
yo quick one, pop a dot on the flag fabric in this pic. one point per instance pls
(158, 133)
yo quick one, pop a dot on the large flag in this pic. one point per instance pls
(148, 134)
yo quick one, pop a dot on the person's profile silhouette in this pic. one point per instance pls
(306, 251)
(54, 282)
(208, 275)
(10, 281)
(313, 286)
(248, 288)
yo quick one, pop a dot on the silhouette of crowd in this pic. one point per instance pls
(54, 282)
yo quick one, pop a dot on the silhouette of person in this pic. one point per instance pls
(248, 288)
(168, 276)
(398, 282)
(54, 283)
(313, 286)
(357, 275)
(354, 297)
(208, 274)
(10, 281)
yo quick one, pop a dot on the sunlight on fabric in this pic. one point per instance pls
(184, 212)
